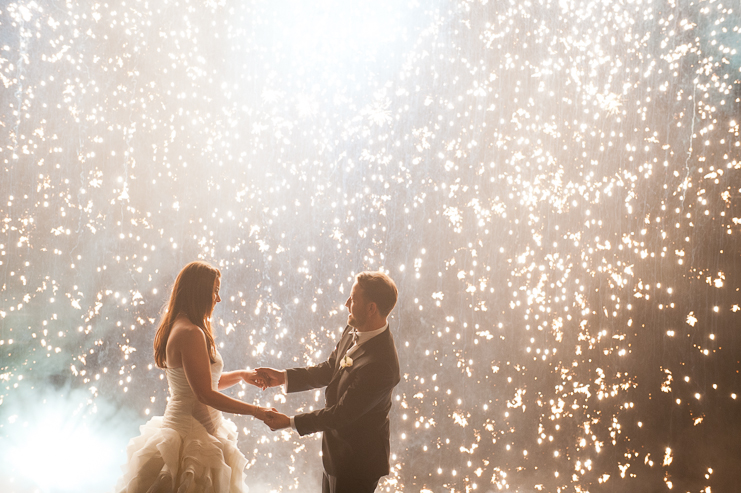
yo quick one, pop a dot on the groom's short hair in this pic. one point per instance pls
(379, 289)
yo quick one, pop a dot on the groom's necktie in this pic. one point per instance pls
(355, 337)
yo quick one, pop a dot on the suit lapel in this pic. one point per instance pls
(364, 351)
(344, 345)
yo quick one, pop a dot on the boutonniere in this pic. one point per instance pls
(346, 362)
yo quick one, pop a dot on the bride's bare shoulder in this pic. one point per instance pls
(185, 330)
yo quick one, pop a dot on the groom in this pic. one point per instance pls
(360, 376)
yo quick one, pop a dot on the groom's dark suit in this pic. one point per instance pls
(355, 419)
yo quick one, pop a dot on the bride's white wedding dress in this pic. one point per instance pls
(191, 449)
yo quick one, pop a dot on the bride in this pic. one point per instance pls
(192, 448)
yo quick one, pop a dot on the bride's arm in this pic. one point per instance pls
(231, 378)
(191, 344)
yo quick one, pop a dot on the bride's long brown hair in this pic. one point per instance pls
(192, 296)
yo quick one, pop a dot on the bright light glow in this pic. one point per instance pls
(74, 457)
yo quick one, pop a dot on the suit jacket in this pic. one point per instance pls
(355, 419)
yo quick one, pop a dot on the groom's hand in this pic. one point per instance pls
(254, 378)
(276, 420)
(271, 377)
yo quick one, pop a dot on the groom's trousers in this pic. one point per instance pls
(334, 484)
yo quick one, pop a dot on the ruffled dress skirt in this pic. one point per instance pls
(162, 460)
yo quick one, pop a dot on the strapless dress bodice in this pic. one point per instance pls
(183, 405)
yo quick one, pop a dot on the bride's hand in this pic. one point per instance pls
(254, 378)
(261, 413)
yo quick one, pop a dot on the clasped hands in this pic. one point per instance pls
(265, 378)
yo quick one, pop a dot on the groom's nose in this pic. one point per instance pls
(347, 303)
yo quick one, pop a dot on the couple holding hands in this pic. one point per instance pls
(192, 448)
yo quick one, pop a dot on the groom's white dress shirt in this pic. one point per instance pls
(363, 337)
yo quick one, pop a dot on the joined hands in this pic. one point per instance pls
(254, 378)
(272, 418)
(271, 377)
(276, 420)
(266, 378)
